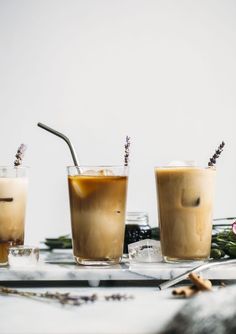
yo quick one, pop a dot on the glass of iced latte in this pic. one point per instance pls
(97, 206)
(185, 203)
(13, 194)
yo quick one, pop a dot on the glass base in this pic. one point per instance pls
(3, 264)
(4, 250)
(199, 260)
(94, 262)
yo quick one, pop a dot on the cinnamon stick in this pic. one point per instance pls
(185, 291)
(200, 283)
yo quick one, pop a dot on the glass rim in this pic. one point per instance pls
(14, 167)
(136, 216)
(136, 213)
(24, 247)
(98, 166)
(187, 167)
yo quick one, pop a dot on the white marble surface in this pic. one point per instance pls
(147, 313)
(60, 267)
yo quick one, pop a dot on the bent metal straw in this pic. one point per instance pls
(197, 269)
(66, 139)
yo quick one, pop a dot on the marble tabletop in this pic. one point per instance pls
(59, 266)
(147, 312)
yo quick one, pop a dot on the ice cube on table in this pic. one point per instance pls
(21, 256)
(180, 163)
(147, 250)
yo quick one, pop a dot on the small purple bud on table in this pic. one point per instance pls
(234, 227)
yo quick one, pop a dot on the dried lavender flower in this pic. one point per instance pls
(118, 297)
(216, 155)
(127, 147)
(63, 298)
(20, 155)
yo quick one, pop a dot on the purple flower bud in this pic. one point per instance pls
(19, 155)
(234, 227)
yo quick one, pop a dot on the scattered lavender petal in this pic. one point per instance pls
(234, 227)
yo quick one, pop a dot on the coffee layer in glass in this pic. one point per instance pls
(97, 204)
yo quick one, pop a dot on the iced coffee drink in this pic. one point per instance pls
(13, 192)
(97, 205)
(185, 203)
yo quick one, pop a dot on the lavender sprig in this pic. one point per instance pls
(118, 297)
(63, 298)
(216, 155)
(20, 155)
(127, 147)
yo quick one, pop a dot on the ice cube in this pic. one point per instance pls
(100, 172)
(21, 256)
(91, 172)
(85, 186)
(83, 189)
(147, 250)
(190, 197)
(106, 172)
(184, 163)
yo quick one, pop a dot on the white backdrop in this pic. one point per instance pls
(163, 72)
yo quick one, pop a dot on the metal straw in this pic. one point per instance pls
(227, 218)
(66, 139)
(197, 269)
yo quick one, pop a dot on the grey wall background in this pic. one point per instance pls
(163, 72)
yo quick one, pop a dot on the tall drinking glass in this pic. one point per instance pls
(97, 205)
(185, 205)
(13, 195)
